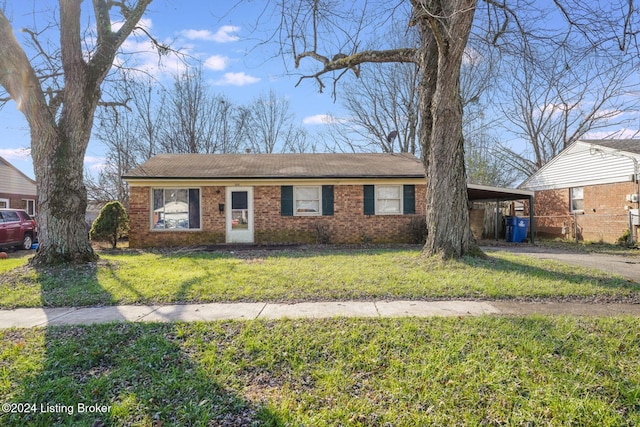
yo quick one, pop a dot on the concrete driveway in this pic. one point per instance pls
(621, 265)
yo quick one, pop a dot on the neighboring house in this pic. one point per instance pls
(589, 191)
(17, 190)
(93, 210)
(190, 199)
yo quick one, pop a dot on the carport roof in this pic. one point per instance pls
(478, 193)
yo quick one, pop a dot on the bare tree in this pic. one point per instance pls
(197, 121)
(58, 92)
(328, 34)
(382, 110)
(186, 119)
(485, 159)
(558, 100)
(443, 28)
(147, 110)
(120, 135)
(271, 126)
(382, 104)
(131, 133)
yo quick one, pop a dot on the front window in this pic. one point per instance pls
(388, 199)
(307, 200)
(4, 203)
(176, 209)
(577, 199)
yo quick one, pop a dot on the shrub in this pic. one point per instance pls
(323, 236)
(111, 224)
(418, 230)
(624, 239)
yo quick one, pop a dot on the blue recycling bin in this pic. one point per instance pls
(516, 229)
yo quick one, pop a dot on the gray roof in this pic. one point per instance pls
(265, 166)
(628, 145)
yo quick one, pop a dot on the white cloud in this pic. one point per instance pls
(95, 164)
(225, 34)
(321, 119)
(142, 56)
(471, 56)
(236, 79)
(617, 134)
(216, 62)
(11, 154)
(145, 23)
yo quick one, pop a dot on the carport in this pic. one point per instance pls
(482, 193)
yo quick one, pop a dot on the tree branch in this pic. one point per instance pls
(107, 46)
(342, 62)
(70, 40)
(18, 77)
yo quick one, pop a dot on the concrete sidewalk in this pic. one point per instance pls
(31, 317)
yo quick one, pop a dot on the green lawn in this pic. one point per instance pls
(300, 275)
(356, 372)
(590, 247)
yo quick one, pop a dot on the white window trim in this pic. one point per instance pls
(27, 207)
(173, 230)
(571, 199)
(318, 188)
(377, 199)
(7, 202)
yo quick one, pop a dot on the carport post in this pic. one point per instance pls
(531, 215)
(497, 214)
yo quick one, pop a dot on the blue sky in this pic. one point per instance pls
(222, 37)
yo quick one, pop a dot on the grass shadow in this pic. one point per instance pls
(295, 275)
(109, 374)
(534, 270)
(72, 285)
(124, 374)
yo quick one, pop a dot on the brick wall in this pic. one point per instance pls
(17, 201)
(604, 218)
(348, 224)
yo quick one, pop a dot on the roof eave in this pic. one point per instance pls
(275, 177)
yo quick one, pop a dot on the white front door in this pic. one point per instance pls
(239, 214)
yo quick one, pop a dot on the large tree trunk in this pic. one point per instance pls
(62, 201)
(445, 32)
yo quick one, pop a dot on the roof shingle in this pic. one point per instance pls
(265, 166)
(628, 145)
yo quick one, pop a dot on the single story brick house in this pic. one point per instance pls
(590, 191)
(192, 199)
(17, 190)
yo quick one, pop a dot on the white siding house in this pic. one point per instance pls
(590, 191)
(588, 162)
(17, 190)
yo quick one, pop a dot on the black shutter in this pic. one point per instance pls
(409, 202)
(286, 200)
(369, 200)
(194, 208)
(327, 200)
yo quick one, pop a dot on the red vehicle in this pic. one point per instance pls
(17, 229)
